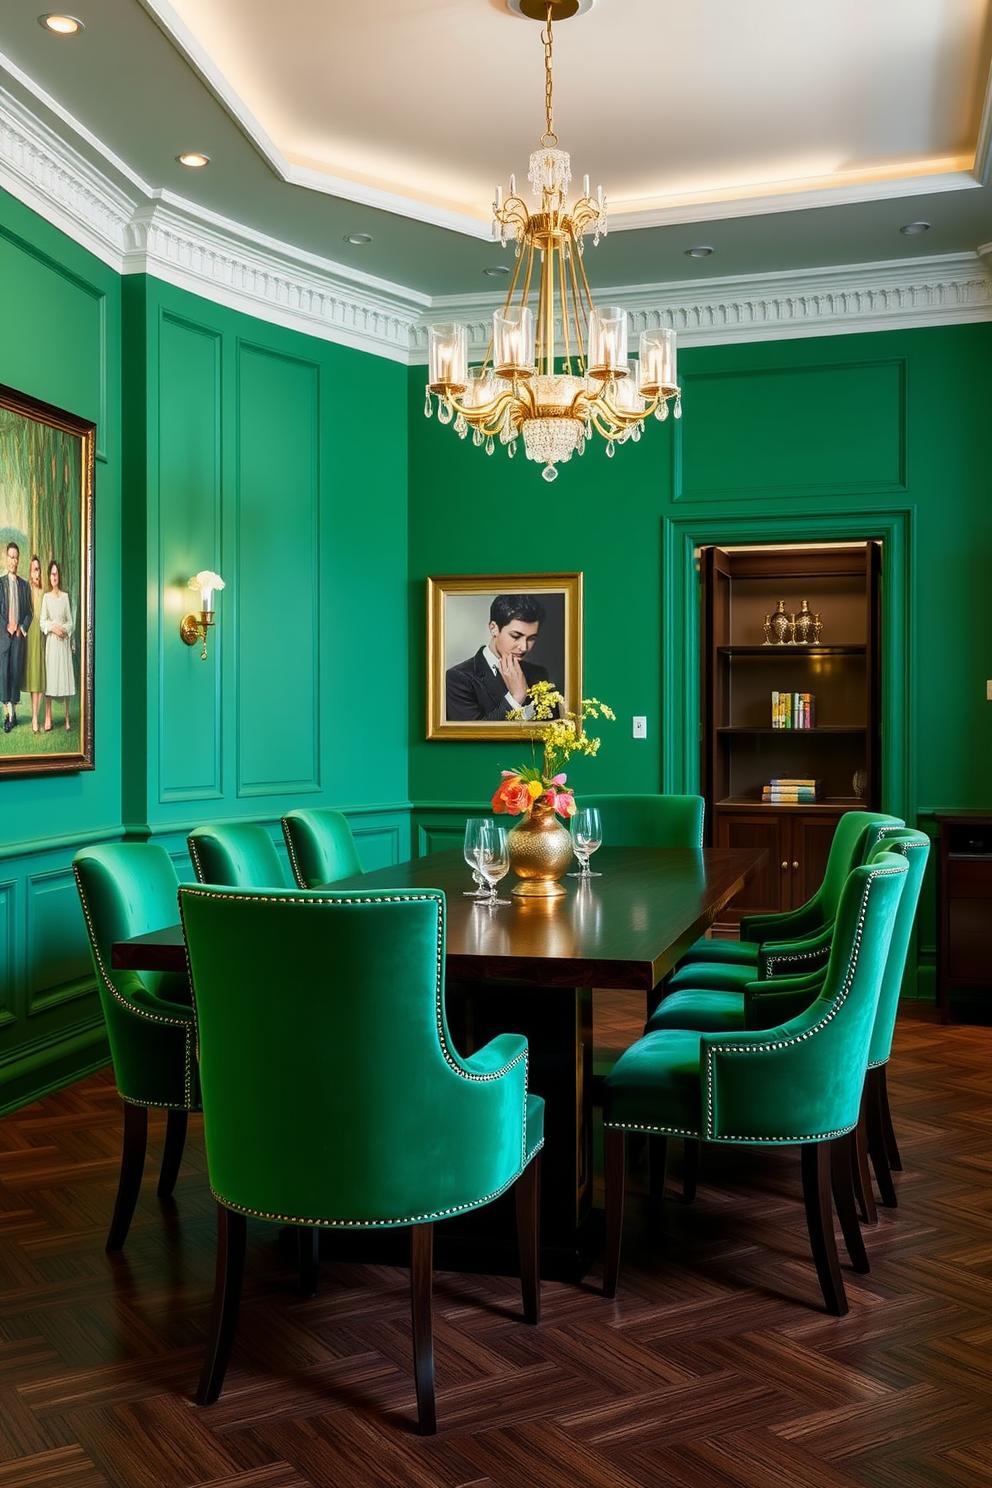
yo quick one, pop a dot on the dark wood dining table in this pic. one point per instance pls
(530, 967)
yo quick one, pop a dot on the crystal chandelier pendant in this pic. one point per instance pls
(557, 370)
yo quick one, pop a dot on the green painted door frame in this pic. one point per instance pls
(680, 641)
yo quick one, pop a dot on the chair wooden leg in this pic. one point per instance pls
(615, 1175)
(820, 1223)
(876, 1144)
(657, 1168)
(132, 1167)
(842, 1184)
(421, 1281)
(308, 1243)
(863, 1192)
(690, 1168)
(528, 1200)
(172, 1156)
(232, 1236)
(877, 1076)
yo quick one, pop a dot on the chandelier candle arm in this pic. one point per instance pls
(531, 384)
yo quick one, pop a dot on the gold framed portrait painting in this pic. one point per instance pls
(489, 638)
(46, 587)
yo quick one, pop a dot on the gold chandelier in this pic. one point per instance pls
(553, 392)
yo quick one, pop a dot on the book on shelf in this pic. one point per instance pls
(795, 710)
(795, 795)
(792, 782)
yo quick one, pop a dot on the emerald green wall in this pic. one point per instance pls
(234, 456)
(239, 460)
(60, 342)
(884, 433)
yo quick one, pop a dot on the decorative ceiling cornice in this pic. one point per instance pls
(137, 230)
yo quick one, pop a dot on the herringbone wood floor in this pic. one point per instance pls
(715, 1367)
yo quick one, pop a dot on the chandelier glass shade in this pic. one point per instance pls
(557, 369)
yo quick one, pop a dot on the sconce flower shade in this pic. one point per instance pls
(206, 581)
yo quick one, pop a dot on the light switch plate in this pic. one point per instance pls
(641, 726)
(988, 691)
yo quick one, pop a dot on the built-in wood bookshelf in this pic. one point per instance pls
(742, 750)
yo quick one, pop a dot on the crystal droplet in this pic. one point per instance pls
(477, 437)
(678, 407)
(428, 406)
(490, 446)
(549, 472)
(444, 412)
(661, 412)
(461, 427)
(610, 451)
(511, 448)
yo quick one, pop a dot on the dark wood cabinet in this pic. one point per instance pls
(743, 750)
(964, 941)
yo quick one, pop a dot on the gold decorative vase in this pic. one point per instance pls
(540, 852)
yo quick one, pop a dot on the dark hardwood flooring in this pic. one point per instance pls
(714, 1368)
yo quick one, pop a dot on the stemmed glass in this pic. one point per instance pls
(587, 835)
(472, 849)
(494, 859)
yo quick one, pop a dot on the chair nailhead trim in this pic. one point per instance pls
(374, 1224)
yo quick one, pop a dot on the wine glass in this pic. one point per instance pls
(494, 859)
(471, 849)
(587, 835)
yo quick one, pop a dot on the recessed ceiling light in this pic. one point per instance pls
(912, 228)
(496, 271)
(698, 252)
(359, 239)
(62, 25)
(193, 159)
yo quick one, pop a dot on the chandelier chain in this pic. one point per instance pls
(549, 136)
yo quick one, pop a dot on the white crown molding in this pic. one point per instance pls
(134, 229)
(899, 295)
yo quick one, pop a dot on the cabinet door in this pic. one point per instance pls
(811, 839)
(768, 892)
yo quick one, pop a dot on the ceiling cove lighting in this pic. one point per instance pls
(61, 25)
(556, 372)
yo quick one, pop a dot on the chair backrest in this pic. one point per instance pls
(855, 837)
(649, 821)
(802, 1081)
(128, 889)
(321, 847)
(241, 854)
(332, 1093)
(915, 848)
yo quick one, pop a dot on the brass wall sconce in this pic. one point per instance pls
(194, 627)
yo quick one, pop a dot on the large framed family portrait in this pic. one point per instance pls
(492, 636)
(46, 587)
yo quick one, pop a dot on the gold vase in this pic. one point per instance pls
(540, 851)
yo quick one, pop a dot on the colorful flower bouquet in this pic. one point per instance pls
(562, 736)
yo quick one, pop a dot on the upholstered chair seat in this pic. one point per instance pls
(724, 965)
(128, 889)
(799, 1082)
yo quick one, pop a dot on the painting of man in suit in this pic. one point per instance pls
(16, 613)
(492, 682)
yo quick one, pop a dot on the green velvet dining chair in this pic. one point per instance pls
(240, 854)
(763, 1003)
(798, 1083)
(320, 845)
(795, 940)
(128, 889)
(332, 1096)
(649, 820)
